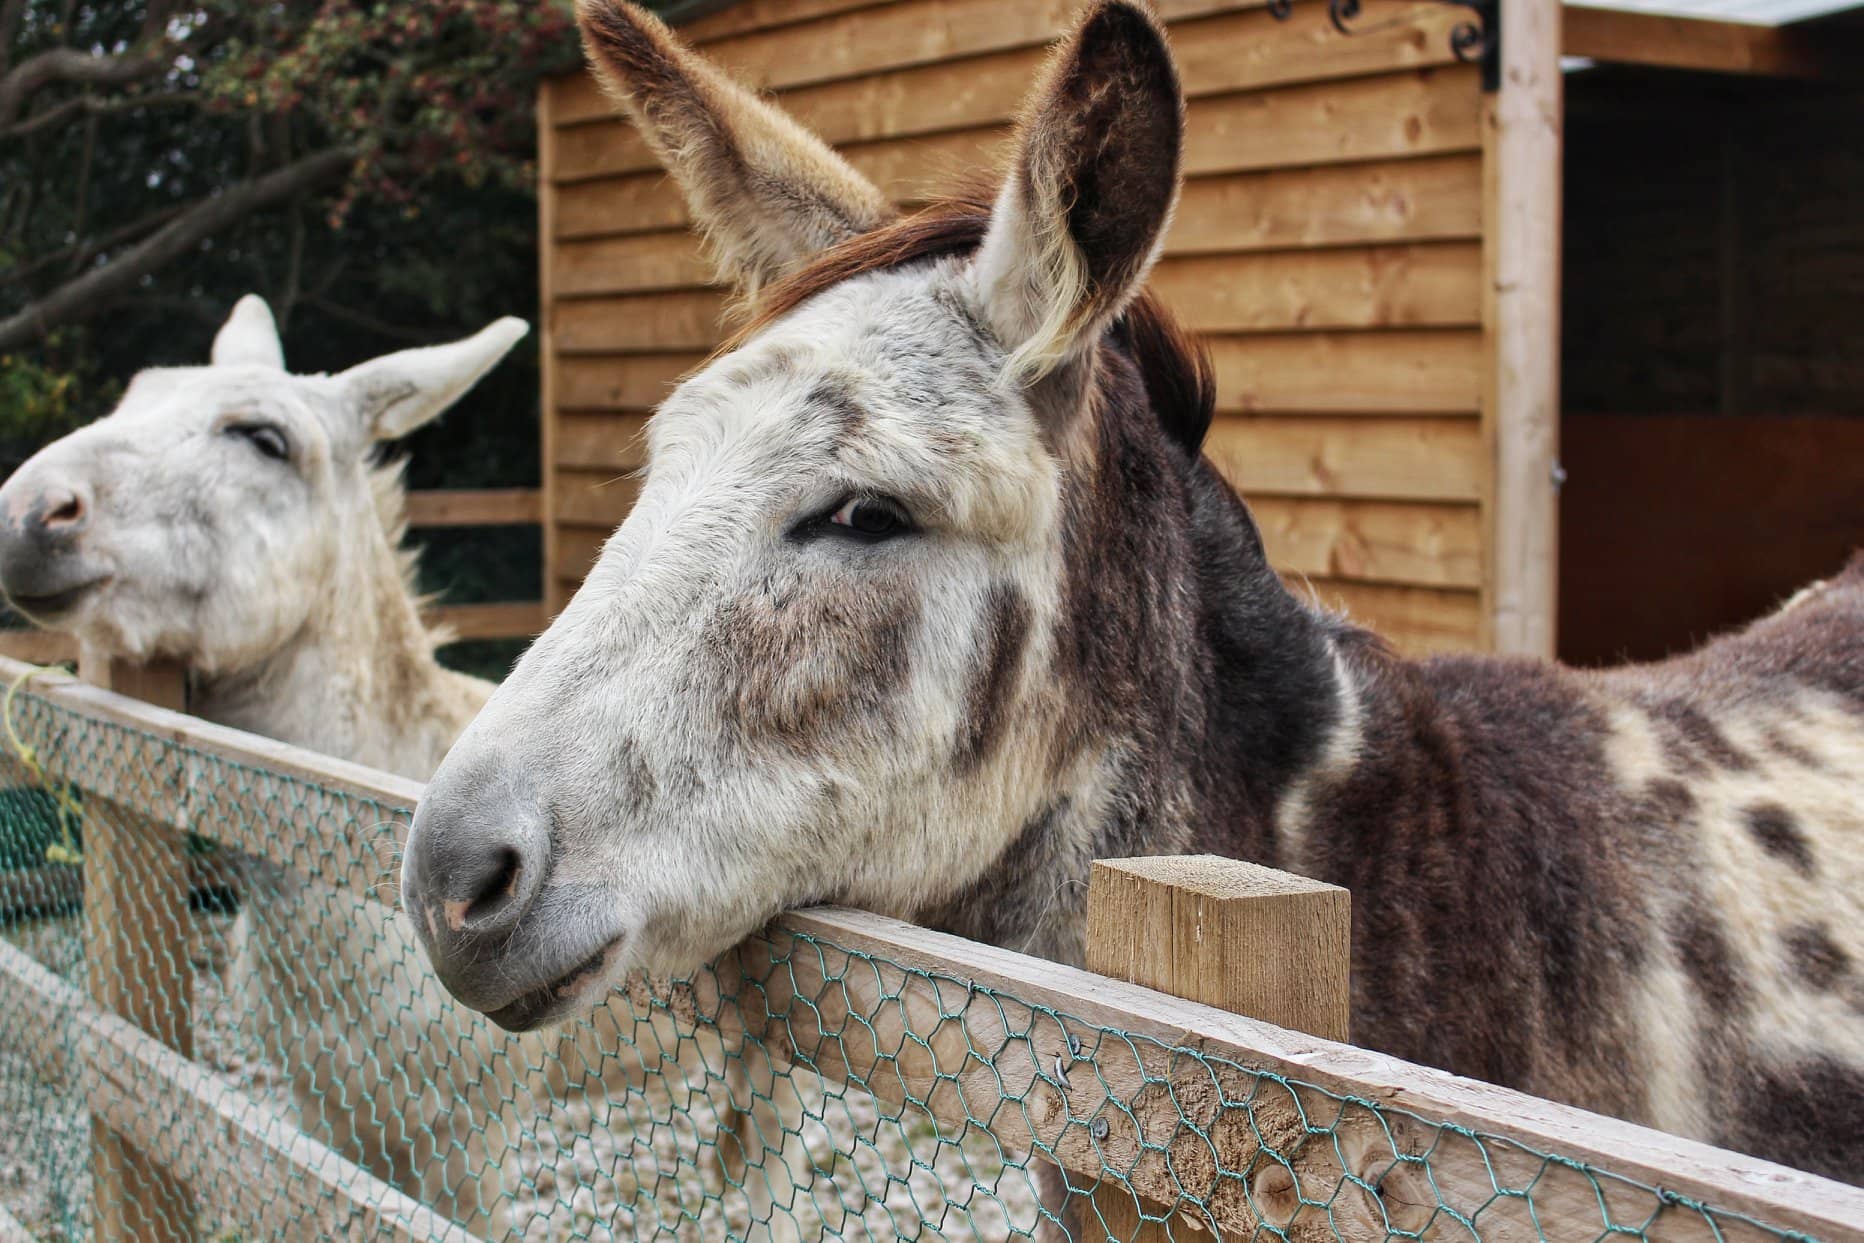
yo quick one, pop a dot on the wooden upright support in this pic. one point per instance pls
(1266, 944)
(1523, 123)
(136, 953)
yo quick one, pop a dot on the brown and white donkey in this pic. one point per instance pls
(930, 599)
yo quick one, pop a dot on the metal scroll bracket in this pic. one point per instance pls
(1478, 40)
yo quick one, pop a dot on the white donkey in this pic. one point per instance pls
(233, 517)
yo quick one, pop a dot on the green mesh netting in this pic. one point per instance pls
(329, 1084)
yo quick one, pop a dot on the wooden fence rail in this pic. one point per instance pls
(963, 1032)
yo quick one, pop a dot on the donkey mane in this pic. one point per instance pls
(1174, 365)
(388, 492)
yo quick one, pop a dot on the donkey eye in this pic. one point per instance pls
(874, 517)
(264, 437)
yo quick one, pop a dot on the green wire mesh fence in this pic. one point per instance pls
(224, 1024)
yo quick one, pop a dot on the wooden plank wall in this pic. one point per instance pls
(1328, 245)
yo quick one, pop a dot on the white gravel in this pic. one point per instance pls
(633, 1169)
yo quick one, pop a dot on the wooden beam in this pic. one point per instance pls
(1623, 37)
(239, 1152)
(515, 619)
(38, 647)
(1399, 371)
(549, 363)
(1522, 152)
(1175, 924)
(1400, 543)
(484, 507)
(137, 966)
(1331, 456)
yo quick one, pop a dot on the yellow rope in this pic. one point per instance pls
(70, 811)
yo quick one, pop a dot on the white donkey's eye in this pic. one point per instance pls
(264, 437)
(875, 517)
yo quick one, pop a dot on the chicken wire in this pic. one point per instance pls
(809, 1091)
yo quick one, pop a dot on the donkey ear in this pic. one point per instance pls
(766, 192)
(249, 337)
(398, 392)
(1080, 218)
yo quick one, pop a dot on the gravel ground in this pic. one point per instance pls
(595, 1169)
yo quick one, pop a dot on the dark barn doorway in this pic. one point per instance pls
(1713, 353)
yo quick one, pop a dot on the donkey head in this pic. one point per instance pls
(203, 519)
(811, 664)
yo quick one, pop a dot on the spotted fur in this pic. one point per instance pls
(1639, 891)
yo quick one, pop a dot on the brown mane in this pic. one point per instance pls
(1174, 365)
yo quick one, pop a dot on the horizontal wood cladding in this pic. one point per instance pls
(650, 323)
(577, 549)
(631, 382)
(1327, 246)
(1359, 287)
(1373, 541)
(1422, 112)
(632, 232)
(1220, 55)
(1402, 200)
(1406, 371)
(635, 227)
(1409, 372)
(597, 498)
(1418, 620)
(601, 441)
(1220, 44)
(1363, 287)
(1433, 459)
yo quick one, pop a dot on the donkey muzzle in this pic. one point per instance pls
(475, 883)
(43, 567)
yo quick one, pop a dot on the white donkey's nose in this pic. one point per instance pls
(43, 515)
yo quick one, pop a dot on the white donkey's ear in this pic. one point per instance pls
(1084, 210)
(767, 192)
(249, 337)
(398, 392)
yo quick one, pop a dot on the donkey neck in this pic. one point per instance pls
(359, 679)
(1199, 693)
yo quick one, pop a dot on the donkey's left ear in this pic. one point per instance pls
(249, 337)
(1082, 215)
(398, 392)
(766, 192)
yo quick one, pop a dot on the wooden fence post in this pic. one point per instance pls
(136, 952)
(1266, 944)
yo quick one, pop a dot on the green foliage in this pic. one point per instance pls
(427, 233)
(43, 396)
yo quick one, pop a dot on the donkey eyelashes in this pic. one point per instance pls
(866, 519)
(267, 438)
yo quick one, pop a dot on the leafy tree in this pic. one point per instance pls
(366, 166)
(137, 135)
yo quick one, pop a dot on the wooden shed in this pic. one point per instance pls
(1368, 240)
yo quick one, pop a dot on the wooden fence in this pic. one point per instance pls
(919, 1019)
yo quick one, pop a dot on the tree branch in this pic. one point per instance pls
(91, 105)
(81, 253)
(79, 299)
(363, 320)
(12, 14)
(64, 64)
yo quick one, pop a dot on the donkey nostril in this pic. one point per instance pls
(488, 895)
(66, 511)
